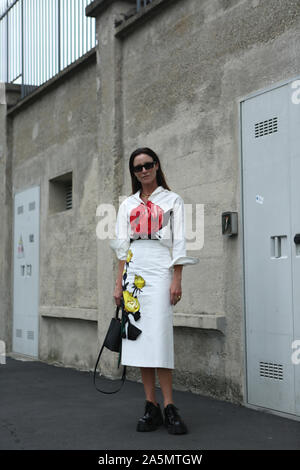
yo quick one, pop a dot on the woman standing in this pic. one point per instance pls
(149, 223)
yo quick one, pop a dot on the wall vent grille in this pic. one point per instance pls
(271, 370)
(30, 335)
(266, 127)
(61, 193)
(68, 195)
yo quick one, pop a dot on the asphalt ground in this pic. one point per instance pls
(45, 407)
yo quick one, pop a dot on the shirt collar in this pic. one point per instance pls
(155, 192)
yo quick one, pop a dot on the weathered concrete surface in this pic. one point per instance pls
(5, 219)
(51, 136)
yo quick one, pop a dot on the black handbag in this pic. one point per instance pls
(113, 341)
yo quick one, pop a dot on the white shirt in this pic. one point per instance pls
(162, 218)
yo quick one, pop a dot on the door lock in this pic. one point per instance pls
(297, 238)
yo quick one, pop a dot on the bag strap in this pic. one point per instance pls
(124, 368)
(123, 375)
(117, 311)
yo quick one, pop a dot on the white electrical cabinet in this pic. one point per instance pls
(26, 272)
(271, 218)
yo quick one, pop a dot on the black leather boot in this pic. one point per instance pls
(173, 421)
(152, 418)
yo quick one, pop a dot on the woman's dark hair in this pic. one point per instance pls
(160, 177)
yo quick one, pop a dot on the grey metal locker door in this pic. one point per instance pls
(268, 249)
(26, 272)
(294, 104)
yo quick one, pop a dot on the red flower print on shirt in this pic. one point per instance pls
(146, 219)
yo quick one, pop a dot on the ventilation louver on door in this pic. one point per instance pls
(266, 127)
(30, 334)
(271, 370)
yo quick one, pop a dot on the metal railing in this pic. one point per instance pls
(39, 38)
(141, 3)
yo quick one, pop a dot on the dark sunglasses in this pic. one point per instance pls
(147, 166)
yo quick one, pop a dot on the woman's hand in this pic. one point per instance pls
(175, 290)
(118, 293)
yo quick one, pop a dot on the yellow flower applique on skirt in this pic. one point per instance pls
(131, 304)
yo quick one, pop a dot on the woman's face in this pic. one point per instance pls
(145, 176)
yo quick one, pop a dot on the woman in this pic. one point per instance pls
(150, 222)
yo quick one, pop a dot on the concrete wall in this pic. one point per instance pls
(52, 135)
(170, 78)
(5, 223)
(9, 96)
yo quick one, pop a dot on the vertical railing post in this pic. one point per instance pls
(22, 48)
(138, 5)
(58, 28)
(7, 54)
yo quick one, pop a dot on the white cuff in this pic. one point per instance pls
(120, 247)
(184, 260)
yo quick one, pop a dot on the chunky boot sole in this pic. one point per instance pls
(175, 429)
(147, 426)
(150, 426)
(173, 421)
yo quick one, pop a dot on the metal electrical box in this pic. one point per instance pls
(229, 223)
(271, 222)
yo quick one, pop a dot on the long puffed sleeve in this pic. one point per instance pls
(122, 241)
(178, 236)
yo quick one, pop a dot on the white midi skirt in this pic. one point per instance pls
(148, 279)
